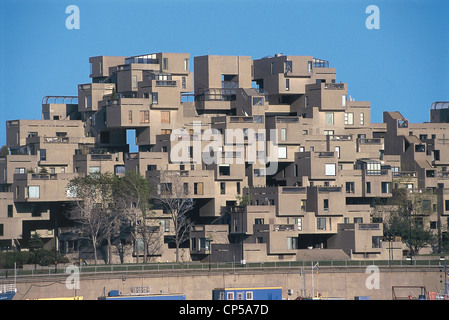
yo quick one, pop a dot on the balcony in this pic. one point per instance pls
(325, 154)
(44, 176)
(320, 63)
(287, 119)
(347, 137)
(368, 226)
(370, 141)
(143, 59)
(56, 139)
(329, 189)
(443, 175)
(334, 86)
(101, 157)
(60, 100)
(283, 227)
(241, 119)
(166, 83)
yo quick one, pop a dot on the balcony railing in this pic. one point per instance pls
(346, 137)
(443, 175)
(320, 63)
(336, 86)
(101, 270)
(325, 154)
(60, 100)
(145, 59)
(329, 189)
(44, 176)
(294, 189)
(370, 141)
(283, 227)
(166, 83)
(101, 157)
(368, 226)
(56, 139)
(241, 119)
(287, 119)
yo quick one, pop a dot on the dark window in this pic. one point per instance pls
(36, 212)
(222, 187)
(368, 187)
(436, 154)
(386, 187)
(10, 211)
(119, 169)
(43, 155)
(257, 101)
(104, 137)
(423, 137)
(377, 242)
(350, 187)
(420, 148)
(326, 204)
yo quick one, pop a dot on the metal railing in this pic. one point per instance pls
(98, 270)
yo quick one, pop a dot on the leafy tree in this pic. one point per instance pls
(35, 244)
(114, 94)
(406, 220)
(4, 151)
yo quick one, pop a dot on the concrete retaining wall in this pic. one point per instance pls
(330, 282)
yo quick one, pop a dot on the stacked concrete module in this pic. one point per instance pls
(276, 155)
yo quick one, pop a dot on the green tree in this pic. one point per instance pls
(35, 244)
(114, 94)
(407, 220)
(4, 151)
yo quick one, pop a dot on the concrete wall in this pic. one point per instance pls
(198, 285)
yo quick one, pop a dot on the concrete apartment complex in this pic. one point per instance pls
(295, 173)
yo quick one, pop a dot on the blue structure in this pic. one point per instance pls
(262, 293)
(7, 292)
(114, 295)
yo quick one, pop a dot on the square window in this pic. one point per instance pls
(33, 192)
(349, 118)
(282, 152)
(330, 169)
(329, 118)
(386, 187)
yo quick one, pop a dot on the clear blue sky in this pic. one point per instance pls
(403, 66)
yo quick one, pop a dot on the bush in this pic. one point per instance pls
(42, 257)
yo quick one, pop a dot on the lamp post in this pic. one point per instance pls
(209, 244)
(445, 279)
(313, 286)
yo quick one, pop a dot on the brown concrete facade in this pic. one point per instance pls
(297, 163)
